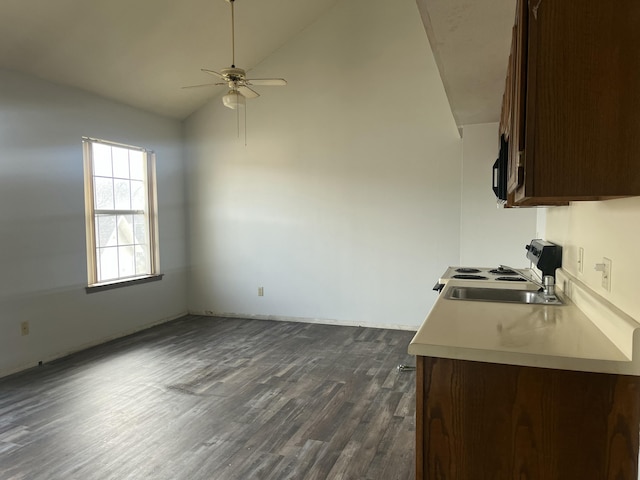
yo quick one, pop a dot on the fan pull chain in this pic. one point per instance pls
(245, 123)
(238, 120)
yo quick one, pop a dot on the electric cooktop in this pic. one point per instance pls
(481, 274)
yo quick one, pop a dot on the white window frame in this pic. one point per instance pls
(91, 213)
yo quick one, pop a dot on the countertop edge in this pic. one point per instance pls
(529, 360)
(620, 333)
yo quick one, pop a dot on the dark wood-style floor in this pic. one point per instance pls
(211, 398)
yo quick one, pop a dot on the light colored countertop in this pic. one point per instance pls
(562, 337)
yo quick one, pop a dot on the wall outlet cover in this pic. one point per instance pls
(581, 260)
(606, 274)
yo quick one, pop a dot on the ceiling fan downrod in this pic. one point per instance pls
(233, 36)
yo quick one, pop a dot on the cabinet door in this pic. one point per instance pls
(518, 97)
(505, 112)
(575, 100)
(485, 421)
(522, 114)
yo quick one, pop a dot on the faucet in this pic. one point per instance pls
(547, 285)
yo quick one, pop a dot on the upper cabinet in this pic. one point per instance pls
(571, 106)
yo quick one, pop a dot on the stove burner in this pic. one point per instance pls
(470, 277)
(503, 271)
(467, 270)
(511, 279)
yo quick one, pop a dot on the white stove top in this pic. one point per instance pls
(483, 274)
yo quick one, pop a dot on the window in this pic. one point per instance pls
(120, 204)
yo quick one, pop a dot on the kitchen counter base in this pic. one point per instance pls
(501, 422)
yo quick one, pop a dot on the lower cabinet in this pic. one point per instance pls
(477, 421)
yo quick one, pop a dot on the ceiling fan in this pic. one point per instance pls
(235, 78)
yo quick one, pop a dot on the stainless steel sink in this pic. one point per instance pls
(501, 295)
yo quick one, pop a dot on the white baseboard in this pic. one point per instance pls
(207, 313)
(85, 346)
(322, 321)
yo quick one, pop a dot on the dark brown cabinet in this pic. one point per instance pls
(483, 421)
(571, 107)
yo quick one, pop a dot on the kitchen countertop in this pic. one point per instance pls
(562, 337)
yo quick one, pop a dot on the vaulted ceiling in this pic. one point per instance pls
(471, 40)
(142, 52)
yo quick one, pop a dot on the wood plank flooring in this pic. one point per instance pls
(212, 398)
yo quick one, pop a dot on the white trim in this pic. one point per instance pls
(321, 321)
(85, 346)
(115, 144)
(119, 212)
(92, 268)
(152, 207)
(150, 212)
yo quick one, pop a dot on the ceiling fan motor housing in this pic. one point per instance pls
(233, 74)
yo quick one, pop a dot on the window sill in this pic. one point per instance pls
(99, 287)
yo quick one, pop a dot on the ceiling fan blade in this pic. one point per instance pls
(211, 72)
(203, 85)
(266, 81)
(247, 92)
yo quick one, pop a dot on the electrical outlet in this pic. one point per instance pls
(24, 328)
(605, 269)
(606, 274)
(261, 291)
(581, 260)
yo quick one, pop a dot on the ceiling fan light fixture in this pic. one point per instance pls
(234, 100)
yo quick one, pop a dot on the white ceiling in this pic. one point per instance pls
(471, 40)
(141, 52)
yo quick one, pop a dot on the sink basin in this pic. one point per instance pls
(500, 295)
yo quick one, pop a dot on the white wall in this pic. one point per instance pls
(603, 229)
(489, 236)
(345, 203)
(42, 226)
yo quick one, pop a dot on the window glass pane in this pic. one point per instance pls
(137, 195)
(140, 229)
(136, 162)
(120, 162)
(106, 235)
(102, 160)
(103, 190)
(123, 194)
(125, 230)
(126, 261)
(142, 260)
(108, 261)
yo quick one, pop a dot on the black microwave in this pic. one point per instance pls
(500, 166)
